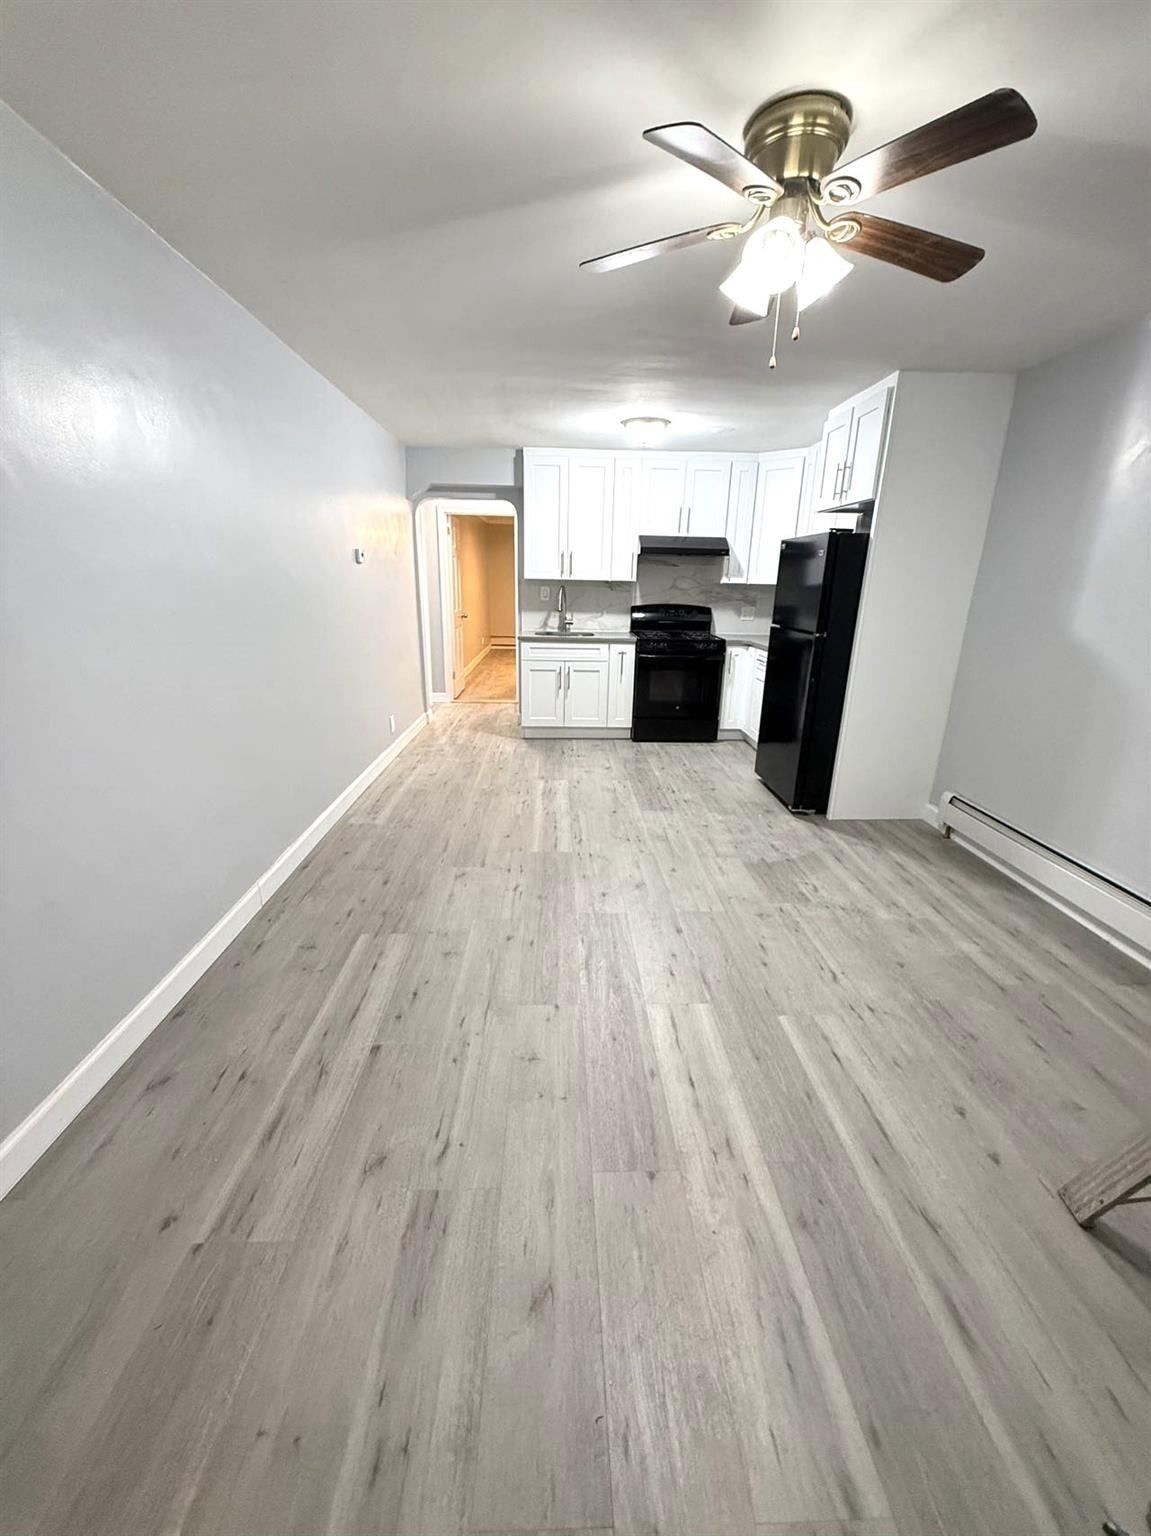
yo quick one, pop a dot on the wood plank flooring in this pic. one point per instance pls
(494, 678)
(579, 1143)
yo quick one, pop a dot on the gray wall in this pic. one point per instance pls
(1050, 723)
(461, 467)
(193, 666)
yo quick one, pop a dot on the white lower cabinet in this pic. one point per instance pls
(565, 684)
(731, 703)
(753, 699)
(541, 687)
(620, 685)
(585, 693)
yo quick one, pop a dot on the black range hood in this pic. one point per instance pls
(681, 544)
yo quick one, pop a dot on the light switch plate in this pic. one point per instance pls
(747, 611)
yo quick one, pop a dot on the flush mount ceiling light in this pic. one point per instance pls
(789, 173)
(645, 431)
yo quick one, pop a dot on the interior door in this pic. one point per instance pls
(545, 514)
(458, 613)
(663, 482)
(706, 492)
(780, 486)
(589, 521)
(865, 450)
(833, 456)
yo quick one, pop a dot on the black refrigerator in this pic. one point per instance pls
(813, 627)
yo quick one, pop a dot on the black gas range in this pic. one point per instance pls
(678, 673)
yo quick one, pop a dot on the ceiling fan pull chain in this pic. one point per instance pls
(795, 332)
(775, 331)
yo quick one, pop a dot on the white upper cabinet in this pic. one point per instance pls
(868, 432)
(624, 530)
(707, 484)
(568, 525)
(741, 516)
(780, 486)
(851, 452)
(811, 469)
(545, 513)
(833, 451)
(663, 485)
(591, 492)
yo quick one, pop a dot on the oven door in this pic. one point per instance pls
(677, 697)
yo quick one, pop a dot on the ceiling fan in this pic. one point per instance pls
(804, 201)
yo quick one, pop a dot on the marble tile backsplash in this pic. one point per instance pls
(661, 579)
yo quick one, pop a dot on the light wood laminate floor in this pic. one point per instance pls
(494, 678)
(577, 1142)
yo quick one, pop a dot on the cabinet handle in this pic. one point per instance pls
(849, 476)
(621, 666)
(838, 478)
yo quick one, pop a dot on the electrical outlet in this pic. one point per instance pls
(747, 610)
(545, 594)
(392, 723)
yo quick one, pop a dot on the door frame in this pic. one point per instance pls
(457, 506)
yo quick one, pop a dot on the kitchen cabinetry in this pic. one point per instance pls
(741, 517)
(663, 482)
(564, 684)
(778, 491)
(624, 535)
(621, 685)
(753, 699)
(708, 482)
(851, 452)
(732, 704)
(568, 499)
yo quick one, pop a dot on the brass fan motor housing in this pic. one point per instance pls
(799, 134)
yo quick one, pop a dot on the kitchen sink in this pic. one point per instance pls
(570, 634)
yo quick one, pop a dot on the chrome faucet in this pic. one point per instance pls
(565, 618)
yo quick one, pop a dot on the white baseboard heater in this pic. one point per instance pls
(1121, 916)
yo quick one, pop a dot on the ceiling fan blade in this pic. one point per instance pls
(709, 153)
(746, 316)
(995, 120)
(634, 253)
(918, 250)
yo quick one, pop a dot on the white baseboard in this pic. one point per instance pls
(474, 663)
(930, 814)
(1122, 920)
(440, 698)
(576, 733)
(503, 642)
(36, 1133)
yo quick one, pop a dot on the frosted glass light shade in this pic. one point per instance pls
(772, 260)
(823, 268)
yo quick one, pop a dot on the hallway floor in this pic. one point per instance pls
(494, 679)
(579, 1142)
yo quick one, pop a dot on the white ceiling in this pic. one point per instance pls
(402, 189)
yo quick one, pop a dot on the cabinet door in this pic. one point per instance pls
(741, 517)
(707, 486)
(585, 693)
(621, 684)
(865, 450)
(545, 514)
(731, 705)
(753, 698)
(591, 479)
(543, 700)
(833, 456)
(663, 482)
(777, 512)
(624, 539)
(806, 522)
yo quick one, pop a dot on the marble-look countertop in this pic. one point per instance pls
(758, 641)
(615, 636)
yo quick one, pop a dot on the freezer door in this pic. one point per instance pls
(792, 664)
(799, 584)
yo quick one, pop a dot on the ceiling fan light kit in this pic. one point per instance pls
(790, 170)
